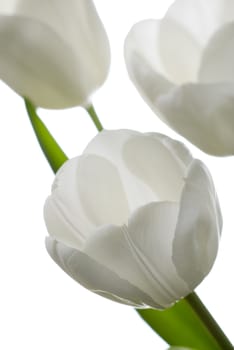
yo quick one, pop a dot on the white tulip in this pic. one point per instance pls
(54, 52)
(135, 219)
(183, 67)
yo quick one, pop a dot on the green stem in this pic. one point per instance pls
(94, 117)
(210, 323)
(52, 151)
(188, 324)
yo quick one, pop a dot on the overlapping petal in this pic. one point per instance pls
(135, 219)
(198, 228)
(182, 67)
(202, 113)
(94, 276)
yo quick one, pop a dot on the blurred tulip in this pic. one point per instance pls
(182, 66)
(55, 53)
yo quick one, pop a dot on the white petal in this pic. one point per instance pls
(151, 233)
(64, 215)
(110, 145)
(150, 161)
(218, 57)
(101, 192)
(78, 25)
(177, 148)
(110, 247)
(143, 60)
(37, 64)
(180, 52)
(201, 18)
(7, 7)
(202, 113)
(198, 229)
(94, 276)
(59, 226)
(141, 253)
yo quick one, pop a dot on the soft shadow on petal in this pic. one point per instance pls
(142, 57)
(94, 276)
(110, 247)
(78, 24)
(65, 204)
(177, 148)
(141, 253)
(101, 192)
(202, 113)
(201, 18)
(150, 235)
(149, 160)
(7, 7)
(198, 228)
(59, 226)
(36, 63)
(218, 57)
(110, 145)
(180, 52)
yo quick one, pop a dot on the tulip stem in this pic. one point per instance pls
(94, 117)
(210, 323)
(187, 324)
(52, 151)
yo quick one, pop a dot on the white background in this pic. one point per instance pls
(40, 306)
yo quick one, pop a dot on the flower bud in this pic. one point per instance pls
(54, 53)
(135, 219)
(182, 66)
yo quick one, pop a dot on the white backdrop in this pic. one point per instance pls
(40, 306)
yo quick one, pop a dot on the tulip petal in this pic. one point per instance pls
(180, 52)
(7, 7)
(94, 276)
(110, 145)
(101, 192)
(37, 64)
(202, 113)
(177, 148)
(63, 212)
(152, 154)
(110, 247)
(201, 18)
(218, 57)
(142, 57)
(198, 228)
(79, 26)
(141, 253)
(151, 233)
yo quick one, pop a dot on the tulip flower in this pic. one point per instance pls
(182, 65)
(134, 218)
(55, 53)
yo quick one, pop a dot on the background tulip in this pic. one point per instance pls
(142, 230)
(182, 65)
(55, 53)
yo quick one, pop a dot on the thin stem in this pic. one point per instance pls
(51, 149)
(212, 326)
(94, 118)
